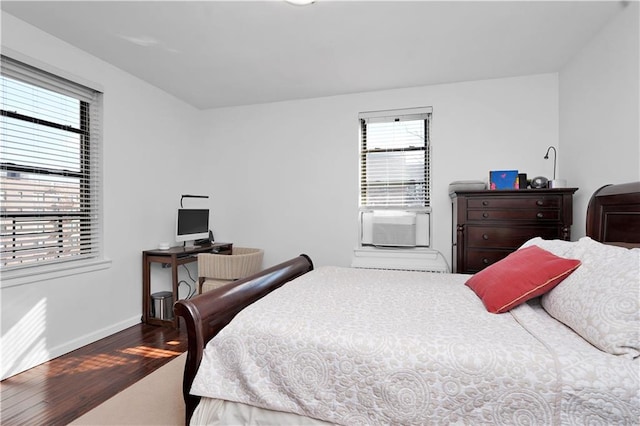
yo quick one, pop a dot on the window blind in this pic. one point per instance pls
(50, 172)
(394, 158)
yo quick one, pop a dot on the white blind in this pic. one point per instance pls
(394, 158)
(50, 175)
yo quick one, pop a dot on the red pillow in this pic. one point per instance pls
(522, 275)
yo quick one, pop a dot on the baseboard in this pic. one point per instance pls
(92, 337)
(51, 353)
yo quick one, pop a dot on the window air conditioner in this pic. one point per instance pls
(394, 228)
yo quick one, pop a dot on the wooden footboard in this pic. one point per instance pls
(206, 314)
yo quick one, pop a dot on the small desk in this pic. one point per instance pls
(174, 256)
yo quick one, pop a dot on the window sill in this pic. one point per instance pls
(44, 273)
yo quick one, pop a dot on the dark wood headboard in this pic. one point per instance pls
(613, 214)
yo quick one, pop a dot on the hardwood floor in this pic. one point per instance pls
(63, 389)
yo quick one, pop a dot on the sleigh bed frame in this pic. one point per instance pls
(613, 217)
(208, 313)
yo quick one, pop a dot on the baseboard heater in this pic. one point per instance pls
(422, 260)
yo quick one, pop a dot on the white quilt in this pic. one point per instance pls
(354, 346)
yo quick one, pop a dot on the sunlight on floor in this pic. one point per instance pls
(25, 344)
(148, 352)
(83, 364)
(86, 363)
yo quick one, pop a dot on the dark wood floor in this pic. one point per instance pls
(61, 390)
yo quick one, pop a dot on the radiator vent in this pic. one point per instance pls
(436, 271)
(422, 260)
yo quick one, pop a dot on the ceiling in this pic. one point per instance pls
(223, 53)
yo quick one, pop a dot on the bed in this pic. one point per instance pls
(295, 344)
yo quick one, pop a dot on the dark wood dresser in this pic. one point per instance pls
(488, 225)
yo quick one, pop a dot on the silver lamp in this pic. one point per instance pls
(554, 183)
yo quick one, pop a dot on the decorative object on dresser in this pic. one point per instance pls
(466, 185)
(488, 225)
(523, 183)
(503, 179)
(539, 182)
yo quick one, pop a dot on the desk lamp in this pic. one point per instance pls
(554, 183)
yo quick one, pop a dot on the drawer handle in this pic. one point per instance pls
(485, 203)
(485, 237)
(540, 203)
(539, 215)
(485, 215)
(485, 261)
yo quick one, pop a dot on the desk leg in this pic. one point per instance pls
(174, 277)
(146, 288)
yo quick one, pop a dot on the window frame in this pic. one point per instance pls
(89, 178)
(409, 114)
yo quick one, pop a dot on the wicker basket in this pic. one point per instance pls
(215, 270)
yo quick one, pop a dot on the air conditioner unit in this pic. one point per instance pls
(394, 228)
(397, 240)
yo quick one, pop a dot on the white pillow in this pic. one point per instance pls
(560, 248)
(601, 299)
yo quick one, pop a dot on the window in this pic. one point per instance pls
(394, 159)
(394, 178)
(50, 169)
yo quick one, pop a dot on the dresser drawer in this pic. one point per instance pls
(506, 237)
(514, 214)
(479, 259)
(519, 202)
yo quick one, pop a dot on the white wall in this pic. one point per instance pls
(287, 172)
(284, 176)
(599, 112)
(148, 162)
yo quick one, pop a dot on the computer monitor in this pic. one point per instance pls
(192, 224)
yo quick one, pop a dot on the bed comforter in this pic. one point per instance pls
(353, 346)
